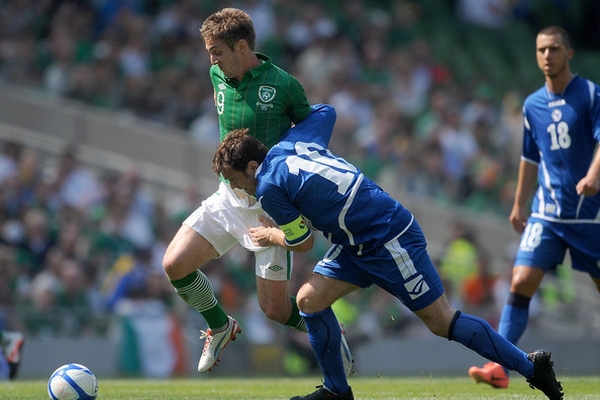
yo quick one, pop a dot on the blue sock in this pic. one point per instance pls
(513, 320)
(476, 334)
(325, 338)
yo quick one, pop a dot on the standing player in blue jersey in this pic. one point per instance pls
(375, 240)
(561, 135)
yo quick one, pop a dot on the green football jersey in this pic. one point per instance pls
(267, 101)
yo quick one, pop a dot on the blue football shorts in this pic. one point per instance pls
(401, 266)
(544, 244)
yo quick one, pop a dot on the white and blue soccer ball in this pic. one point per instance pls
(73, 382)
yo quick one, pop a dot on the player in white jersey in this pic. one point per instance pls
(560, 152)
(375, 240)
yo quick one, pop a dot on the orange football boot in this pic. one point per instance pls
(491, 373)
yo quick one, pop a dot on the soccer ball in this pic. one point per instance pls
(73, 382)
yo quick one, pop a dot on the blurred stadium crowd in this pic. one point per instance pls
(78, 241)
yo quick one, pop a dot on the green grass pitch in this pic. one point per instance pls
(276, 388)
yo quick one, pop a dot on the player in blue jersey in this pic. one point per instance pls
(561, 134)
(375, 240)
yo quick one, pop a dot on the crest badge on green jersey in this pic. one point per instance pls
(266, 93)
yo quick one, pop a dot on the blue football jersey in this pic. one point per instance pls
(561, 132)
(301, 180)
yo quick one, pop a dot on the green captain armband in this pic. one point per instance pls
(295, 231)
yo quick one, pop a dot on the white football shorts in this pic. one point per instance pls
(224, 219)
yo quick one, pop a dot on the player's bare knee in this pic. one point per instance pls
(303, 303)
(526, 280)
(275, 313)
(524, 287)
(174, 267)
(310, 305)
(168, 265)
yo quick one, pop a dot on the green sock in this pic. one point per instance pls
(196, 290)
(296, 321)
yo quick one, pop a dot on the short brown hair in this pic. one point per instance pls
(237, 150)
(229, 25)
(558, 31)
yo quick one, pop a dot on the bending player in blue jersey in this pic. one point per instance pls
(304, 187)
(561, 134)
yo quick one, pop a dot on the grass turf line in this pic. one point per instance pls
(276, 388)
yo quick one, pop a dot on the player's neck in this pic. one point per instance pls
(249, 63)
(253, 62)
(557, 84)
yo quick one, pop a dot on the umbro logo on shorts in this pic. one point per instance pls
(275, 268)
(416, 286)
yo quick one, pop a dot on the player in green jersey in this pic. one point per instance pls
(250, 92)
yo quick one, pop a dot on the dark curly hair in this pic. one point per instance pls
(237, 150)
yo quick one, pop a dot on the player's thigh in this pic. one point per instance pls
(321, 292)
(187, 252)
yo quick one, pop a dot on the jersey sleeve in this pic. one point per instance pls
(316, 128)
(298, 106)
(276, 203)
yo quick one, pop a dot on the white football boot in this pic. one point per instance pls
(215, 343)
